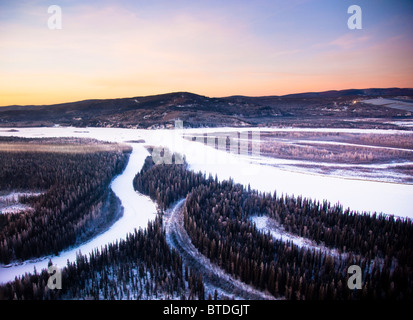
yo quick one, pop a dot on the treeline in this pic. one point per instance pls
(331, 153)
(166, 184)
(218, 220)
(140, 267)
(395, 140)
(76, 197)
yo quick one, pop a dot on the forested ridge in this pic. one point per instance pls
(76, 195)
(218, 220)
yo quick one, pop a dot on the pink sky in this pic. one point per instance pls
(114, 50)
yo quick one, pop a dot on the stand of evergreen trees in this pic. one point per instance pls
(219, 226)
(76, 198)
(217, 217)
(166, 184)
(218, 220)
(140, 267)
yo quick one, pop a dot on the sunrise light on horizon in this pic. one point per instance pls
(116, 49)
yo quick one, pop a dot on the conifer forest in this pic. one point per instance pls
(202, 224)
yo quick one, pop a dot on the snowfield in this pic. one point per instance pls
(266, 224)
(9, 203)
(359, 195)
(392, 103)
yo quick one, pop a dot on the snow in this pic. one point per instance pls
(266, 224)
(15, 208)
(14, 196)
(408, 124)
(9, 203)
(360, 195)
(335, 143)
(382, 101)
(178, 238)
(138, 210)
(392, 103)
(276, 161)
(293, 129)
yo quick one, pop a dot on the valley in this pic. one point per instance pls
(373, 195)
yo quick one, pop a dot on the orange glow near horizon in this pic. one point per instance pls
(113, 51)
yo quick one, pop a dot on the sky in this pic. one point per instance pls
(116, 49)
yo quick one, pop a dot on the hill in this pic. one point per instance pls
(329, 108)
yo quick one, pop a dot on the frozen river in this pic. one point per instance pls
(360, 195)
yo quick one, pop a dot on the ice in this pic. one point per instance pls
(359, 195)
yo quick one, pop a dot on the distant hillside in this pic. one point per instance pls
(159, 111)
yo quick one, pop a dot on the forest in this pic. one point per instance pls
(76, 200)
(140, 267)
(217, 218)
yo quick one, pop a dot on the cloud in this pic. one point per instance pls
(350, 41)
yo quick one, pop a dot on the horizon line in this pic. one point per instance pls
(211, 97)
